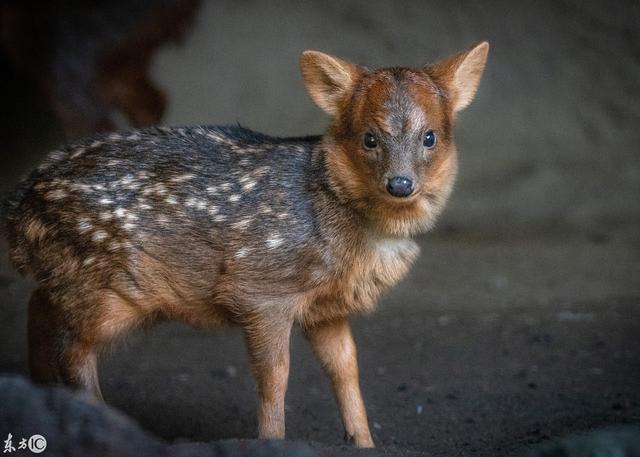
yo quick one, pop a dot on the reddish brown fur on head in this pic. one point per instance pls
(398, 107)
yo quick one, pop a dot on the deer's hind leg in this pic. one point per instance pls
(64, 342)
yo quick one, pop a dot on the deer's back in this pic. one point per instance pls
(184, 204)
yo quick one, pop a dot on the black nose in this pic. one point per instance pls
(400, 186)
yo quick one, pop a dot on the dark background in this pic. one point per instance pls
(519, 323)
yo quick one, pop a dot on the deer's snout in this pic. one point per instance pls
(400, 186)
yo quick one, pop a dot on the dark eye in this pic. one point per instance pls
(370, 141)
(429, 140)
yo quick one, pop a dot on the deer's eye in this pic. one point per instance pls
(429, 140)
(370, 141)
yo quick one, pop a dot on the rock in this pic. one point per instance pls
(75, 424)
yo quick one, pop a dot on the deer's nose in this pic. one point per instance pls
(400, 186)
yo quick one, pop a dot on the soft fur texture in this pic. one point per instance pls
(217, 225)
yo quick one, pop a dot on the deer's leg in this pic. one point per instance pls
(43, 330)
(62, 352)
(268, 344)
(333, 344)
(55, 354)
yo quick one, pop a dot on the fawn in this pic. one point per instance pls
(217, 225)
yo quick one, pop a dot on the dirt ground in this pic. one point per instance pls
(520, 321)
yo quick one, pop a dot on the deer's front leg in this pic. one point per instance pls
(334, 346)
(268, 344)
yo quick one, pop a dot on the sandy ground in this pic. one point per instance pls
(520, 321)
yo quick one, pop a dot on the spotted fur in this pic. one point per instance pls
(222, 225)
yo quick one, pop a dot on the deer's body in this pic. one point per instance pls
(215, 226)
(206, 235)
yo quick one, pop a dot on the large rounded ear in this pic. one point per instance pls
(459, 75)
(329, 79)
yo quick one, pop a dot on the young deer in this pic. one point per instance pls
(217, 225)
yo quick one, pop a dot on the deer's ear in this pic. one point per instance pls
(329, 79)
(459, 75)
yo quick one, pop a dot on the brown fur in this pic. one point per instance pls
(113, 249)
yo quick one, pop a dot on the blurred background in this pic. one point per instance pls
(520, 322)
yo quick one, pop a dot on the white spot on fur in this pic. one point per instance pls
(225, 186)
(99, 235)
(84, 225)
(88, 261)
(120, 212)
(171, 200)
(96, 144)
(274, 242)
(220, 218)
(248, 186)
(182, 178)
(134, 137)
(56, 155)
(234, 198)
(128, 226)
(242, 252)
(159, 189)
(57, 194)
(127, 179)
(242, 224)
(113, 162)
(105, 201)
(261, 171)
(60, 182)
(82, 187)
(216, 136)
(212, 190)
(77, 153)
(197, 203)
